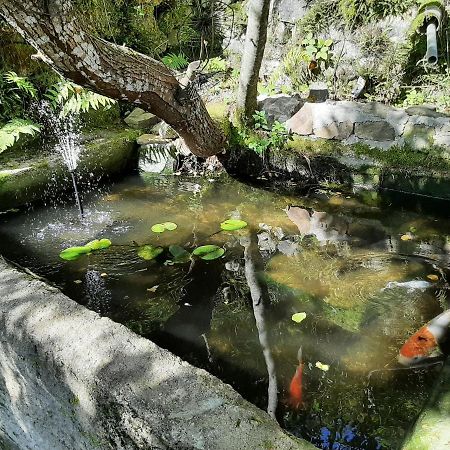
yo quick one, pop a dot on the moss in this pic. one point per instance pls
(434, 158)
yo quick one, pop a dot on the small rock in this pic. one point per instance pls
(318, 93)
(424, 110)
(279, 107)
(140, 119)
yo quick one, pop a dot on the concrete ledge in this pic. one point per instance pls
(70, 379)
(432, 429)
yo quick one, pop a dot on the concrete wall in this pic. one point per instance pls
(70, 379)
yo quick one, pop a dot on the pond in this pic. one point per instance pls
(344, 260)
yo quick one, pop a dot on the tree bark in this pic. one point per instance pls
(53, 28)
(255, 42)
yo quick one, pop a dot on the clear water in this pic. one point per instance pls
(342, 272)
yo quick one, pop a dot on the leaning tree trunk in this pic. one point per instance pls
(55, 30)
(255, 42)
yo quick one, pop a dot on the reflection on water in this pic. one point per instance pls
(343, 260)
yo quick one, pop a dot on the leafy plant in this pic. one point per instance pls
(175, 61)
(316, 51)
(149, 252)
(21, 83)
(260, 120)
(72, 98)
(216, 64)
(10, 132)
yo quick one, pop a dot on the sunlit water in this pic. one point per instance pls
(338, 258)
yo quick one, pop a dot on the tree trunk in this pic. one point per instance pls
(255, 42)
(53, 28)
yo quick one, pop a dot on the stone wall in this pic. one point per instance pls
(71, 380)
(374, 124)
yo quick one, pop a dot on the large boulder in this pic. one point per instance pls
(140, 119)
(280, 106)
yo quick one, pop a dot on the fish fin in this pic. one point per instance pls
(300, 354)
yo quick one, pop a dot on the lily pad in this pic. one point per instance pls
(73, 253)
(166, 226)
(99, 244)
(298, 317)
(180, 255)
(209, 252)
(148, 252)
(321, 366)
(233, 224)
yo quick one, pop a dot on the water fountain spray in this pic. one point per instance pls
(68, 144)
(69, 148)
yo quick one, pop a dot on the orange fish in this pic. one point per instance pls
(296, 386)
(426, 342)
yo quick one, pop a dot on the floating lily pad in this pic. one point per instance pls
(99, 244)
(298, 317)
(209, 252)
(148, 252)
(166, 226)
(180, 255)
(233, 224)
(73, 253)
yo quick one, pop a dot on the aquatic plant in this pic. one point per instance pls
(233, 224)
(209, 252)
(149, 252)
(166, 226)
(73, 253)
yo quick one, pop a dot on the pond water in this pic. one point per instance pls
(341, 259)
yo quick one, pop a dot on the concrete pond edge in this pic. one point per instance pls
(70, 379)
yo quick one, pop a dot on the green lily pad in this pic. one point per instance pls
(180, 255)
(99, 244)
(209, 252)
(166, 226)
(73, 253)
(298, 317)
(148, 252)
(233, 224)
(158, 228)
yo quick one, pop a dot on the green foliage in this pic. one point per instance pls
(21, 83)
(73, 253)
(209, 252)
(166, 226)
(318, 50)
(175, 61)
(149, 252)
(10, 132)
(233, 225)
(262, 137)
(71, 98)
(216, 64)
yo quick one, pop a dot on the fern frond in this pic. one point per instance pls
(10, 132)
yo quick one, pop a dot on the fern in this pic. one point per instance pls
(21, 83)
(72, 98)
(10, 132)
(174, 61)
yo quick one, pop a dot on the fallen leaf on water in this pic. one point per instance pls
(321, 366)
(153, 288)
(298, 317)
(406, 237)
(433, 277)
(77, 281)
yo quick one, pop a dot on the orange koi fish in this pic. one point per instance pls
(296, 386)
(426, 342)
